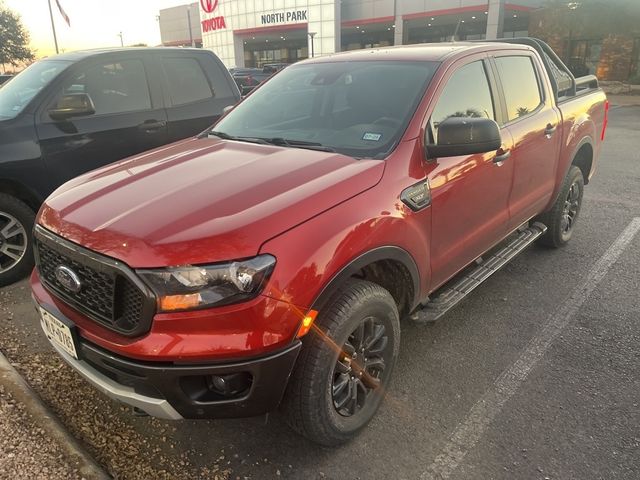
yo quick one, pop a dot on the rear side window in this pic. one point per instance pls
(520, 85)
(467, 94)
(187, 81)
(114, 87)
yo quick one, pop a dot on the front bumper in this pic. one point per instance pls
(182, 390)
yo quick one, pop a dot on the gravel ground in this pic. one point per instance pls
(26, 451)
(101, 425)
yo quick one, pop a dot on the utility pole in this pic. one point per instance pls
(121, 41)
(53, 27)
(189, 21)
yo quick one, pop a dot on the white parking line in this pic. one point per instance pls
(485, 410)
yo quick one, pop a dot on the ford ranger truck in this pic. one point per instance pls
(267, 263)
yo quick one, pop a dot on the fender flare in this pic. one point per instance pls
(586, 140)
(374, 255)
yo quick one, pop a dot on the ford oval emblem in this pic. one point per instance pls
(68, 278)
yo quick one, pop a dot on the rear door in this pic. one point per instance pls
(129, 116)
(470, 193)
(533, 120)
(196, 87)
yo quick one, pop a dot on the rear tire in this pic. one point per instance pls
(16, 240)
(562, 217)
(345, 365)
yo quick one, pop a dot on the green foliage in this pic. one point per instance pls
(14, 39)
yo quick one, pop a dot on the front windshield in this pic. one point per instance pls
(17, 93)
(359, 109)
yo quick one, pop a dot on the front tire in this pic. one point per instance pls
(562, 217)
(16, 252)
(345, 365)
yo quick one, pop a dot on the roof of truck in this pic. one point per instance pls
(422, 51)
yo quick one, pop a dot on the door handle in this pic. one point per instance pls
(152, 125)
(549, 130)
(501, 155)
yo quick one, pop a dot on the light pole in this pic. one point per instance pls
(311, 35)
(121, 41)
(189, 22)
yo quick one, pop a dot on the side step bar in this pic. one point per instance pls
(450, 295)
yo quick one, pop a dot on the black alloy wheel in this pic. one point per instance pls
(360, 366)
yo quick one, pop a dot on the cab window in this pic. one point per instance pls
(519, 84)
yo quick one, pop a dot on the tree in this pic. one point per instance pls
(14, 39)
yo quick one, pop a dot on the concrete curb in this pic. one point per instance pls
(41, 414)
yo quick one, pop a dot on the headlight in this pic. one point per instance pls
(193, 287)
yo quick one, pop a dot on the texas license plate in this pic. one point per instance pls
(58, 333)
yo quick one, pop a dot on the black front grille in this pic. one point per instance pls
(110, 293)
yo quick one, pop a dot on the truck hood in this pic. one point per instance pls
(202, 200)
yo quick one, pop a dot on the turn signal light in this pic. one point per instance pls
(179, 302)
(307, 323)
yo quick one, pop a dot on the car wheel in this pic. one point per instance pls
(345, 365)
(16, 253)
(561, 219)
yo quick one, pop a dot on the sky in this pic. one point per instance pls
(94, 23)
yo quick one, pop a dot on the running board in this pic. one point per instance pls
(449, 296)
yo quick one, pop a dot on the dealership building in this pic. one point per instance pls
(250, 33)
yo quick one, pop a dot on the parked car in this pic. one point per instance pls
(75, 112)
(273, 67)
(268, 261)
(5, 78)
(249, 78)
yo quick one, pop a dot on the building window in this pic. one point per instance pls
(584, 56)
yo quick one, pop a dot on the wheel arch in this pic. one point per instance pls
(21, 192)
(384, 266)
(583, 158)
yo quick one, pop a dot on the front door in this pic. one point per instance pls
(127, 120)
(469, 193)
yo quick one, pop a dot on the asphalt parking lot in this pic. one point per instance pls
(535, 375)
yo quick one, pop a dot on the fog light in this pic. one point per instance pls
(229, 385)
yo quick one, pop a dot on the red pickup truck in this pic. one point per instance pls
(268, 261)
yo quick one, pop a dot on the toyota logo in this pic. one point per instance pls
(68, 278)
(208, 5)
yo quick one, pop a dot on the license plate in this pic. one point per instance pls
(58, 333)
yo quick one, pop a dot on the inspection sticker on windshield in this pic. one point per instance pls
(374, 137)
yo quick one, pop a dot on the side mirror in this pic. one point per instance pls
(72, 105)
(465, 136)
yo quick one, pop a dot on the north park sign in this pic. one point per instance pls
(283, 17)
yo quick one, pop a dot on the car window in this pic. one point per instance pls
(467, 94)
(114, 87)
(520, 85)
(187, 81)
(16, 94)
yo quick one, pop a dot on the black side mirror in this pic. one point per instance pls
(72, 105)
(465, 136)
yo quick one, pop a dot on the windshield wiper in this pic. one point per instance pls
(226, 136)
(284, 142)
